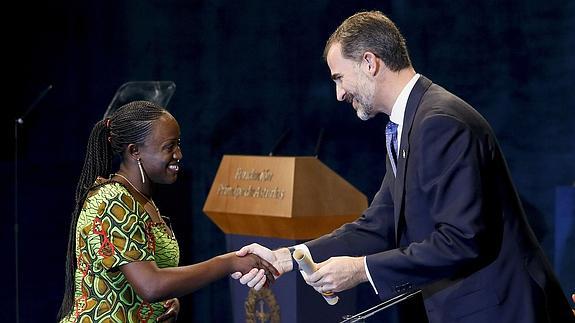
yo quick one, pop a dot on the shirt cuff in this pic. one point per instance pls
(368, 275)
(301, 247)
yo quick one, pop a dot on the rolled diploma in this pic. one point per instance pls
(308, 266)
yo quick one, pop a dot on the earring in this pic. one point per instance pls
(141, 171)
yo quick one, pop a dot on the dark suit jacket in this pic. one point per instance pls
(451, 223)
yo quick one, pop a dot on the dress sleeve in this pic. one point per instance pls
(118, 233)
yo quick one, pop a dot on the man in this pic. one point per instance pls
(447, 219)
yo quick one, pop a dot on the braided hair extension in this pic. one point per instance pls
(130, 124)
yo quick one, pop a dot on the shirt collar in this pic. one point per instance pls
(398, 110)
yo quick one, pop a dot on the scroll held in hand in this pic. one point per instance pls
(306, 264)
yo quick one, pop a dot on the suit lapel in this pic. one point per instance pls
(415, 96)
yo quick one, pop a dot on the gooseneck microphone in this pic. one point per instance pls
(34, 104)
(279, 141)
(18, 122)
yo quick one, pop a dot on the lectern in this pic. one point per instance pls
(281, 201)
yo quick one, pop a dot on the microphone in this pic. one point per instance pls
(360, 317)
(18, 123)
(318, 142)
(34, 104)
(279, 141)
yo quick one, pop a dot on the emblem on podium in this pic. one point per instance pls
(261, 307)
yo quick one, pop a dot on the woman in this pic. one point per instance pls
(122, 262)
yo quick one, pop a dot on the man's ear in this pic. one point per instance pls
(371, 63)
(133, 151)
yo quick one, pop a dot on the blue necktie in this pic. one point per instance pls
(391, 144)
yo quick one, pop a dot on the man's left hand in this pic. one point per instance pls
(337, 274)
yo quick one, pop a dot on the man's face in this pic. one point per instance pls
(351, 83)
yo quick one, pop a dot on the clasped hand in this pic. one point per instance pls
(280, 259)
(335, 274)
(260, 271)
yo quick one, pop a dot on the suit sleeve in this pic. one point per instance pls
(372, 232)
(449, 170)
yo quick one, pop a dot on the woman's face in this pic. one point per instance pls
(160, 154)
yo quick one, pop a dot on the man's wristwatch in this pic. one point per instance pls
(294, 263)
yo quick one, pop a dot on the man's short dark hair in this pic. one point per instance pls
(371, 31)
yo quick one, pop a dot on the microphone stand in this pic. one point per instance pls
(318, 143)
(17, 123)
(359, 317)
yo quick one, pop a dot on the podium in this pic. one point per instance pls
(279, 202)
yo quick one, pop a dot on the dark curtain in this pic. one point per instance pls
(246, 71)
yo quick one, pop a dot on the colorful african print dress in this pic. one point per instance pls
(113, 230)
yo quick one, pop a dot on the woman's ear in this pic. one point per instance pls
(133, 151)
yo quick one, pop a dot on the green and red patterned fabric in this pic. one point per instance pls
(113, 230)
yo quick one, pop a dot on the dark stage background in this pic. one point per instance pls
(245, 72)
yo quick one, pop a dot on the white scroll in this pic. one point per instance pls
(309, 267)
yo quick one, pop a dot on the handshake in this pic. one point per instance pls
(333, 275)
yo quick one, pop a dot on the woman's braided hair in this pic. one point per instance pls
(130, 124)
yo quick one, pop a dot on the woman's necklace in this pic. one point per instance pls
(165, 219)
(150, 201)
